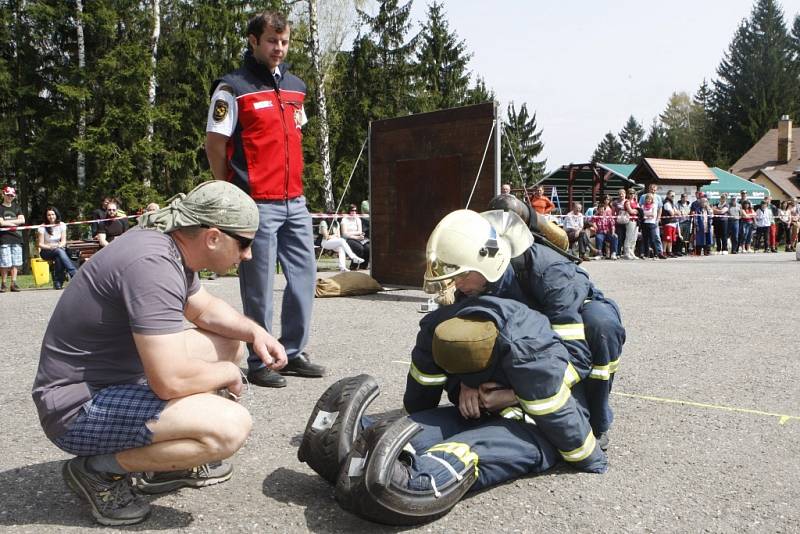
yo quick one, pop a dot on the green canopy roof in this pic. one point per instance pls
(583, 176)
(732, 184)
(623, 169)
(618, 177)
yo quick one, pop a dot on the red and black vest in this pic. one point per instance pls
(265, 152)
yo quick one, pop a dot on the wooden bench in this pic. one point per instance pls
(82, 249)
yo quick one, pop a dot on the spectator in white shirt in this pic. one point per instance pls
(573, 222)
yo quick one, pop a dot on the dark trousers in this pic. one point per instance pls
(622, 230)
(721, 233)
(605, 336)
(685, 243)
(762, 237)
(360, 249)
(62, 263)
(584, 244)
(649, 238)
(505, 448)
(733, 233)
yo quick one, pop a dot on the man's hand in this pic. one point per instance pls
(469, 402)
(494, 397)
(235, 385)
(269, 350)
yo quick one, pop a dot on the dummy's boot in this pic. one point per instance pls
(375, 479)
(335, 424)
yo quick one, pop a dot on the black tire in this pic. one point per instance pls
(389, 507)
(325, 450)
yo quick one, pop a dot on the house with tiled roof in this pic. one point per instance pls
(774, 162)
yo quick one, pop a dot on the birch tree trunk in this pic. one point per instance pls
(151, 94)
(323, 140)
(81, 162)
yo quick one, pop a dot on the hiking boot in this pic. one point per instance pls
(300, 365)
(196, 477)
(15, 288)
(266, 378)
(3, 288)
(110, 496)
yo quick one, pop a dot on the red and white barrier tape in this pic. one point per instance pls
(33, 226)
(337, 215)
(89, 221)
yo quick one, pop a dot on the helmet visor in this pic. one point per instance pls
(441, 270)
(438, 270)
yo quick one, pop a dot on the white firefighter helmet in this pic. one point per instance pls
(465, 241)
(512, 228)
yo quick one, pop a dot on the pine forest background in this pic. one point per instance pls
(111, 96)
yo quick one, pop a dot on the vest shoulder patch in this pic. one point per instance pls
(220, 110)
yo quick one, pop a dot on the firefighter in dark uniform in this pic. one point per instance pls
(530, 377)
(533, 414)
(489, 254)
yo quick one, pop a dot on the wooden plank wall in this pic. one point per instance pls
(421, 168)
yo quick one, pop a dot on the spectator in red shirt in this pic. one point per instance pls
(540, 203)
(605, 221)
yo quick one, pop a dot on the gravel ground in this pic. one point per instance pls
(699, 444)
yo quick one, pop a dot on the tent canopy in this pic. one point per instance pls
(589, 180)
(731, 185)
(585, 182)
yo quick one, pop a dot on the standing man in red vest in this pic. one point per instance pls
(253, 139)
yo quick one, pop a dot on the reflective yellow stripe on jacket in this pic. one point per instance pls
(460, 451)
(512, 412)
(569, 332)
(604, 372)
(426, 379)
(582, 452)
(554, 403)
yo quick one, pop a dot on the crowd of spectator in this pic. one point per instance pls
(107, 222)
(347, 236)
(646, 226)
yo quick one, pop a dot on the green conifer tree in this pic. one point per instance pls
(379, 85)
(609, 150)
(632, 139)
(757, 80)
(479, 93)
(441, 62)
(521, 146)
(657, 144)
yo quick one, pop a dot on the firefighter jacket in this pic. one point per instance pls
(265, 152)
(553, 285)
(529, 358)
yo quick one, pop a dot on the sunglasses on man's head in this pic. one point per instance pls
(244, 242)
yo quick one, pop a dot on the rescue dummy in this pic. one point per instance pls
(416, 468)
(494, 253)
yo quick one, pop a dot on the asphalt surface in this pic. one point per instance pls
(701, 442)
